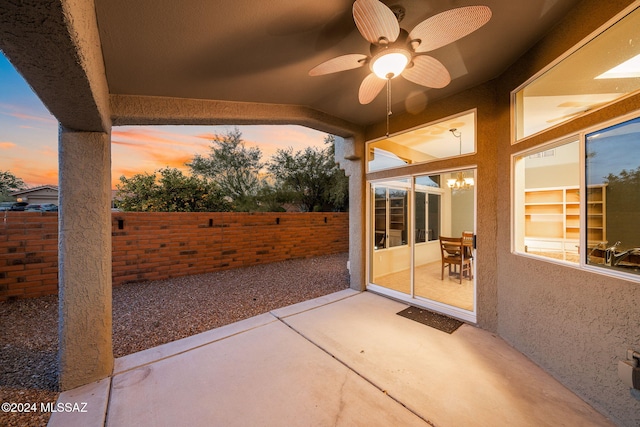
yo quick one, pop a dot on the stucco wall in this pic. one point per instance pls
(85, 351)
(573, 323)
(160, 245)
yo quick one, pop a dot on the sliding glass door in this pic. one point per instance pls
(408, 217)
(391, 252)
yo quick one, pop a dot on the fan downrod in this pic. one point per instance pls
(399, 11)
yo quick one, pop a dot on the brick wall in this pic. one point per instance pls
(150, 246)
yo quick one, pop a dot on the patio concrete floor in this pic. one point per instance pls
(345, 359)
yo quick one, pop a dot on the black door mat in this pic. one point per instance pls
(429, 318)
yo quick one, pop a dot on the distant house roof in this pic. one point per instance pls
(34, 189)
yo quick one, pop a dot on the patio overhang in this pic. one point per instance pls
(151, 110)
(56, 47)
(99, 63)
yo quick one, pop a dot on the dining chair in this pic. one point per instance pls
(467, 244)
(453, 253)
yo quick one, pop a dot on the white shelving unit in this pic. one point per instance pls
(552, 219)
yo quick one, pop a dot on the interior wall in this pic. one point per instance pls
(575, 324)
(391, 260)
(553, 176)
(462, 210)
(561, 170)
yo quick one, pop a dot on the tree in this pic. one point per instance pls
(623, 206)
(8, 184)
(625, 180)
(338, 192)
(233, 167)
(311, 176)
(271, 198)
(172, 191)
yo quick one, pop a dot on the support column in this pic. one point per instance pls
(349, 155)
(84, 252)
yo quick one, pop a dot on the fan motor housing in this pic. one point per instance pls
(401, 42)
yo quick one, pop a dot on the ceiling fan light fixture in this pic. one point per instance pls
(390, 63)
(461, 182)
(395, 51)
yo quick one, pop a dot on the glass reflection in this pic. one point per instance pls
(432, 142)
(405, 251)
(442, 211)
(605, 69)
(613, 197)
(391, 256)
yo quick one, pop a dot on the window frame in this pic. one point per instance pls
(373, 185)
(516, 232)
(583, 237)
(369, 148)
(585, 41)
(428, 192)
(583, 202)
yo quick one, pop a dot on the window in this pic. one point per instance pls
(577, 200)
(547, 201)
(451, 137)
(601, 71)
(558, 217)
(391, 202)
(612, 178)
(427, 211)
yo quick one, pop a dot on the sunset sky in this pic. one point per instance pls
(29, 138)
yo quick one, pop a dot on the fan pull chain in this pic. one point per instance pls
(388, 103)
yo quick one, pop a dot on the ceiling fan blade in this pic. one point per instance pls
(370, 88)
(447, 27)
(375, 21)
(566, 116)
(427, 71)
(339, 63)
(587, 107)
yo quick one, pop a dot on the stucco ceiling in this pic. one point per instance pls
(261, 51)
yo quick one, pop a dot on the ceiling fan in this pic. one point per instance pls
(583, 107)
(395, 52)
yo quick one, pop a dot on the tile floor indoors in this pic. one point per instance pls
(429, 284)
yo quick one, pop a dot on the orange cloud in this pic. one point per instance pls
(34, 176)
(35, 171)
(23, 116)
(163, 156)
(131, 156)
(171, 160)
(116, 173)
(49, 151)
(6, 144)
(128, 144)
(146, 135)
(139, 135)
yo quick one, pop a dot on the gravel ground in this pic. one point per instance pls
(149, 314)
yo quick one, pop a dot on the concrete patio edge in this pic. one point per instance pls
(173, 348)
(313, 303)
(85, 406)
